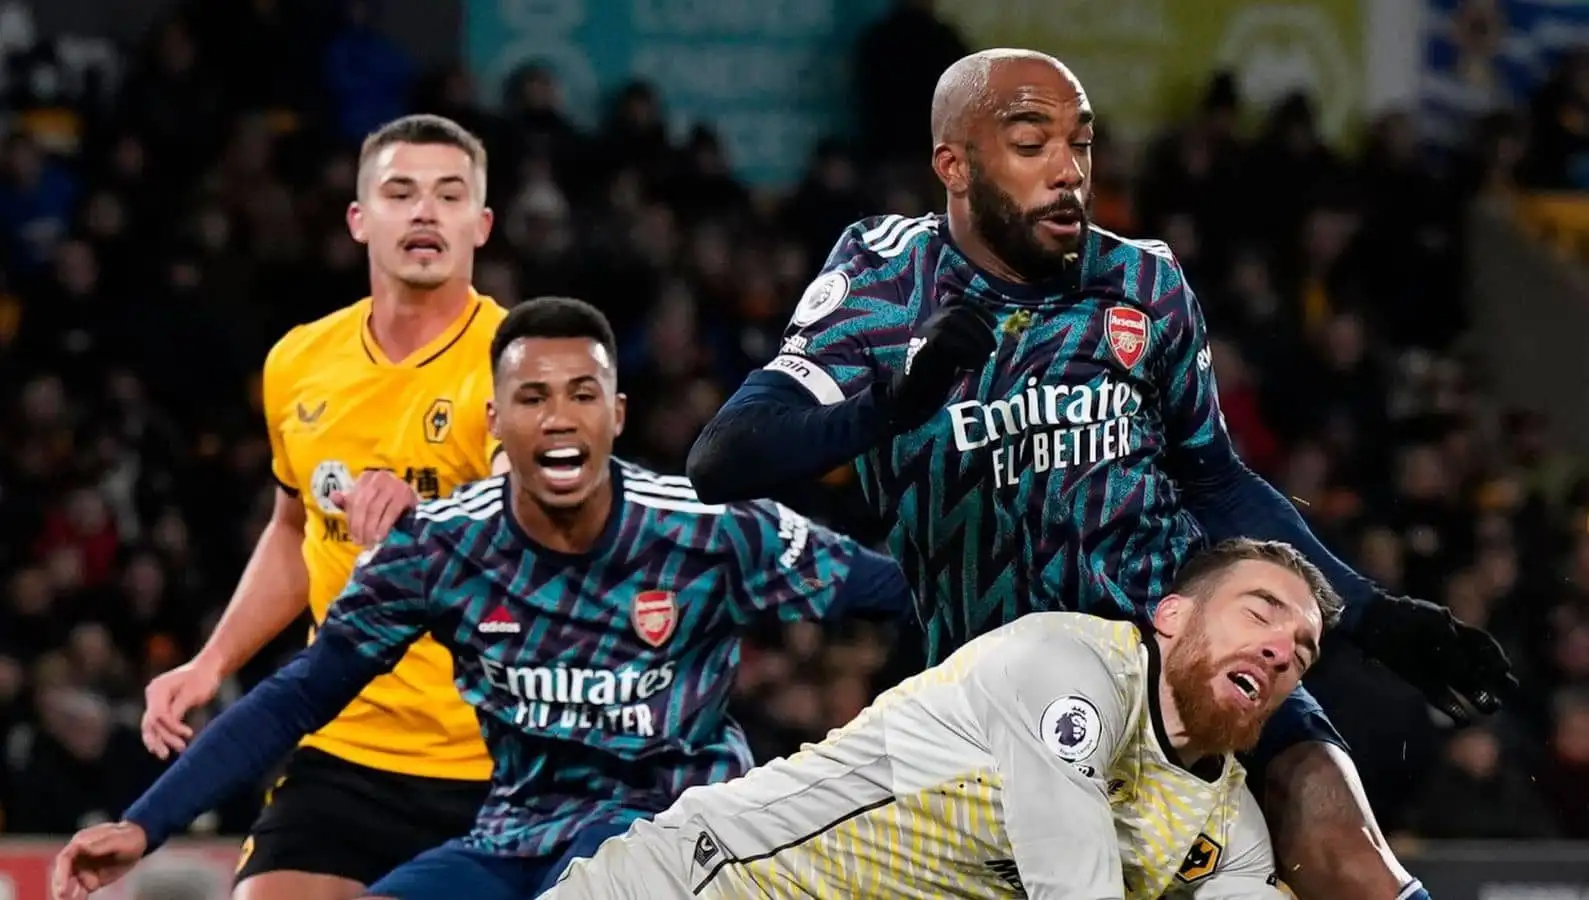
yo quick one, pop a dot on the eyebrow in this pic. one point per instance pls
(407, 181)
(576, 381)
(1028, 116)
(1275, 602)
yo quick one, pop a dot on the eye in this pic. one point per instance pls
(1258, 616)
(1081, 145)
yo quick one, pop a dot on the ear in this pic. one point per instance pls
(1169, 618)
(482, 232)
(356, 222)
(953, 168)
(619, 413)
(491, 419)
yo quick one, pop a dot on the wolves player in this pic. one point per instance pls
(1055, 757)
(368, 409)
(590, 607)
(1035, 405)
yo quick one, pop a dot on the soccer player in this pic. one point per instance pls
(368, 409)
(1034, 405)
(591, 610)
(1060, 757)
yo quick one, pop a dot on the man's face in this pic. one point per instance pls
(556, 410)
(1030, 161)
(421, 213)
(1240, 651)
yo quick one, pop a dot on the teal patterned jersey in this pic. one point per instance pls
(601, 679)
(1045, 483)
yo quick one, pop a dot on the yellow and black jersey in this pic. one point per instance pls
(336, 407)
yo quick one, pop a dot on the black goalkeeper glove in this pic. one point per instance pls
(1453, 664)
(956, 339)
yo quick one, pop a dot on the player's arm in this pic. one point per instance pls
(1449, 661)
(788, 564)
(1246, 868)
(366, 632)
(817, 405)
(1054, 719)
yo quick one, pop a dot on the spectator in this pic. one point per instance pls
(1474, 793)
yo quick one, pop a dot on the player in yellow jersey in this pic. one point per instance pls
(1061, 757)
(369, 409)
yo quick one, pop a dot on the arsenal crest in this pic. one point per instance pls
(654, 616)
(1126, 328)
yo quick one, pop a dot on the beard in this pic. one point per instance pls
(1209, 723)
(1011, 232)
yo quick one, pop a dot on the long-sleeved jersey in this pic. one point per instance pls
(1031, 763)
(1044, 484)
(600, 679)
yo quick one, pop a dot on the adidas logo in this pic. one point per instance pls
(498, 622)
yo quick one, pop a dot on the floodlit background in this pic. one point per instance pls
(1377, 202)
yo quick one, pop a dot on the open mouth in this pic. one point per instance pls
(1249, 684)
(562, 466)
(424, 245)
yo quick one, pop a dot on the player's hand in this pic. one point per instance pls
(956, 339)
(1456, 666)
(96, 857)
(374, 504)
(167, 701)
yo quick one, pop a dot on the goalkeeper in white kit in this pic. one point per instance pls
(1061, 757)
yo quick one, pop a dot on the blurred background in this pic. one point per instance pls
(1378, 202)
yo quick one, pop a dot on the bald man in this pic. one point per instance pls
(1032, 404)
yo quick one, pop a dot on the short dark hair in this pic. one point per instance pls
(1205, 570)
(422, 129)
(553, 317)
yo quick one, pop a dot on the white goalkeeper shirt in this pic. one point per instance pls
(1031, 763)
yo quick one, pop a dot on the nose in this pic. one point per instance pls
(1280, 652)
(424, 212)
(1067, 173)
(557, 419)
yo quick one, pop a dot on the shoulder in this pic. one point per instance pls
(304, 344)
(1147, 267)
(666, 497)
(893, 236)
(466, 508)
(487, 317)
(1072, 654)
(867, 279)
(1080, 637)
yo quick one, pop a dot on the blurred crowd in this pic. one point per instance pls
(166, 215)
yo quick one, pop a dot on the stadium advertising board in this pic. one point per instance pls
(1145, 62)
(771, 75)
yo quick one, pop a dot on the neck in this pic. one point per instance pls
(572, 531)
(973, 248)
(404, 318)
(1187, 751)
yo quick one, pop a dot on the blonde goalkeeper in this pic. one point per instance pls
(1061, 757)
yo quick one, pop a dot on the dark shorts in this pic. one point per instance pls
(332, 817)
(456, 871)
(1299, 720)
